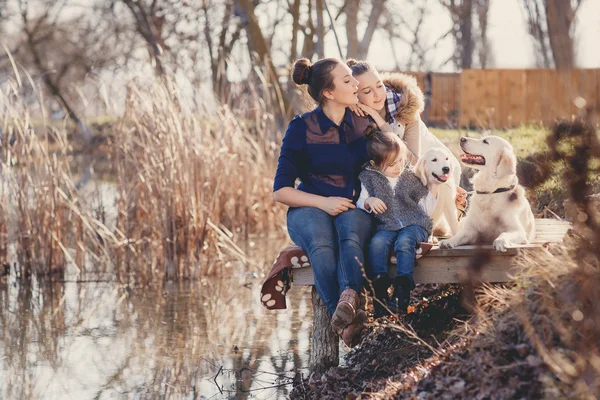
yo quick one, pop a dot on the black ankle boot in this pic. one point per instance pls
(380, 296)
(401, 297)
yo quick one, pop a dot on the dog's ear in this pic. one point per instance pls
(420, 171)
(507, 164)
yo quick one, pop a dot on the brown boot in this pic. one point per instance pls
(351, 334)
(345, 311)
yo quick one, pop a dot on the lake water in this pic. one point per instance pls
(209, 340)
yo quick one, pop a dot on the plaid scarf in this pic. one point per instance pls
(392, 102)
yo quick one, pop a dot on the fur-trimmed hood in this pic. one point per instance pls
(413, 100)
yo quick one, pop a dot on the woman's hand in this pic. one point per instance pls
(371, 112)
(376, 205)
(357, 110)
(336, 205)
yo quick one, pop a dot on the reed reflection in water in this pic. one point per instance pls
(210, 339)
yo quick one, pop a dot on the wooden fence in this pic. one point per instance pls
(502, 98)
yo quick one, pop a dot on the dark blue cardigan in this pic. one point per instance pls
(325, 157)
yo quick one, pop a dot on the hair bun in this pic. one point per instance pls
(351, 62)
(302, 71)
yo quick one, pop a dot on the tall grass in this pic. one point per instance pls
(44, 224)
(190, 183)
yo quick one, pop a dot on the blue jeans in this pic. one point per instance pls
(335, 247)
(404, 242)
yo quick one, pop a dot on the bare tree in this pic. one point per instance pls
(536, 19)
(221, 32)
(3, 11)
(61, 51)
(409, 26)
(320, 28)
(551, 25)
(150, 18)
(259, 50)
(295, 12)
(461, 12)
(470, 38)
(360, 48)
(482, 9)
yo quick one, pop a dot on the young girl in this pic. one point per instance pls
(395, 102)
(398, 199)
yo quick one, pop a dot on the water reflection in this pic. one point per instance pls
(208, 340)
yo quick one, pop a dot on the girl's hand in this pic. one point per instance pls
(371, 112)
(356, 110)
(376, 205)
(336, 205)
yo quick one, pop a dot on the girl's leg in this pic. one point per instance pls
(405, 247)
(378, 258)
(312, 229)
(378, 254)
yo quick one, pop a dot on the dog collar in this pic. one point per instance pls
(500, 190)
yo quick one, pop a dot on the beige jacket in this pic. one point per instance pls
(417, 136)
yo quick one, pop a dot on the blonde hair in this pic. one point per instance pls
(384, 148)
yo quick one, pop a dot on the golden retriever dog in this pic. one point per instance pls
(498, 213)
(436, 171)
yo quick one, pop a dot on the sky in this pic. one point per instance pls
(512, 46)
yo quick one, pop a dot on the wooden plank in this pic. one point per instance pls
(438, 97)
(471, 84)
(456, 270)
(451, 265)
(455, 111)
(598, 89)
(471, 250)
(565, 88)
(588, 87)
(445, 98)
(512, 98)
(499, 268)
(533, 96)
(506, 98)
(491, 99)
(573, 90)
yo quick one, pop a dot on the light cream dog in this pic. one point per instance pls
(436, 170)
(498, 213)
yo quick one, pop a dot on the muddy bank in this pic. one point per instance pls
(390, 348)
(536, 338)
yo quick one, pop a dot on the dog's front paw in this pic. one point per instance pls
(500, 244)
(447, 244)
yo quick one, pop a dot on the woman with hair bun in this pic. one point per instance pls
(325, 149)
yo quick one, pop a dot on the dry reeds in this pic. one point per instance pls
(190, 183)
(44, 224)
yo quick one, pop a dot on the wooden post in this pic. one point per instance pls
(325, 343)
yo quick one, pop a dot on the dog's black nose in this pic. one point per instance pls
(446, 170)
(463, 139)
